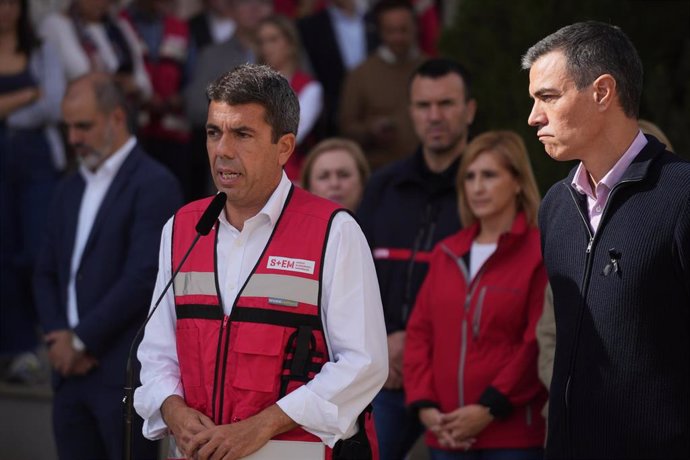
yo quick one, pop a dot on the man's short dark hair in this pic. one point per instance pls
(259, 84)
(385, 6)
(592, 49)
(440, 67)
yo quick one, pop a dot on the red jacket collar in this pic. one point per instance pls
(461, 242)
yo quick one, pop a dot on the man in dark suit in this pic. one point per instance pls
(97, 268)
(326, 36)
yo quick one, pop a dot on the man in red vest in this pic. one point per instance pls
(272, 340)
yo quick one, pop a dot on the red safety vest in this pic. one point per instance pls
(232, 367)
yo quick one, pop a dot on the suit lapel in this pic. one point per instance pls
(71, 205)
(114, 192)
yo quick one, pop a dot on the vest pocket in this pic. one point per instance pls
(258, 354)
(189, 355)
(190, 364)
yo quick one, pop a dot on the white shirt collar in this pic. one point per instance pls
(273, 207)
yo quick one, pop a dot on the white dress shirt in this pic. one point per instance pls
(352, 315)
(350, 35)
(97, 184)
(221, 28)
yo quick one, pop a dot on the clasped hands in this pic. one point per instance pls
(64, 358)
(200, 439)
(457, 429)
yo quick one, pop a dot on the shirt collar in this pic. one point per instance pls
(389, 57)
(273, 207)
(338, 15)
(581, 180)
(111, 165)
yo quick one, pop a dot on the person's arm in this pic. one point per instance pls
(310, 106)
(46, 285)
(47, 69)
(59, 31)
(546, 339)
(518, 383)
(328, 405)
(157, 353)
(419, 350)
(9, 102)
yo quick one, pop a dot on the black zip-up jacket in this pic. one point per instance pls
(405, 211)
(621, 377)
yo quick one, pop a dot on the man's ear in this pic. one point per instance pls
(471, 111)
(604, 91)
(286, 145)
(120, 116)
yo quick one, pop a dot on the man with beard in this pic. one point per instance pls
(97, 268)
(407, 207)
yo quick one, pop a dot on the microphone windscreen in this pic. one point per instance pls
(208, 218)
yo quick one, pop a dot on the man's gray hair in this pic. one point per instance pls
(259, 84)
(592, 49)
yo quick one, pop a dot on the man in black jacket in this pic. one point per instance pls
(408, 207)
(616, 244)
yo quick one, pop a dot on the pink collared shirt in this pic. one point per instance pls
(596, 199)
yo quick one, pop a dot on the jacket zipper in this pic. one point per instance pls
(219, 375)
(225, 366)
(423, 241)
(478, 313)
(466, 306)
(583, 293)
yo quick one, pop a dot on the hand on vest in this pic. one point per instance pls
(184, 423)
(239, 439)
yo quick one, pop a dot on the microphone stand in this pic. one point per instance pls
(203, 227)
(128, 400)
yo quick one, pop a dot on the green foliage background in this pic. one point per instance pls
(489, 37)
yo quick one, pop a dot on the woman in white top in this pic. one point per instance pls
(89, 38)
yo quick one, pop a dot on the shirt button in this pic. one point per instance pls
(598, 209)
(238, 242)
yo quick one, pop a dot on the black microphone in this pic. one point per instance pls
(203, 227)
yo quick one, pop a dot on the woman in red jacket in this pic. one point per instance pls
(470, 361)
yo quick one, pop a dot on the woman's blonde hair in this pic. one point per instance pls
(330, 144)
(289, 31)
(510, 148)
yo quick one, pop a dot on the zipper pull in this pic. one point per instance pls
(589, 245)
(225, 320)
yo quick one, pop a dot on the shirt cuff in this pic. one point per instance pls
(498, 404)
(77, 344)
(316, 415)
(148, 402)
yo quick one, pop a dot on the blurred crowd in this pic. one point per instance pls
(347, 60)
